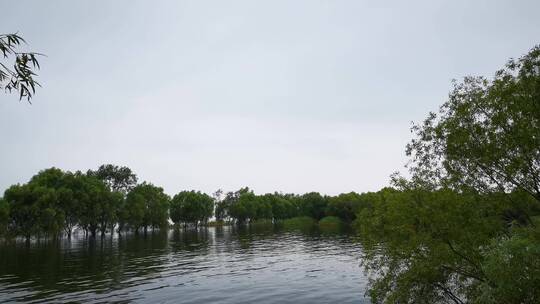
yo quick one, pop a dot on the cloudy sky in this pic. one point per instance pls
(293, 96)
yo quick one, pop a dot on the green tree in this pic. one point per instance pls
(35, 207)
(95, 202)
(346, 206)
(4, 216)
(108, 215)
(313, 204)
(147, 206)
(513, 266)
(69, 206)
(33, 210)
(263, 208)
(191, 207)
(134, 211)
(223, 207)
(243, 208)
(283, 206)
(118, 179)
(19, 75)
(428, 246)
(22, 218)
(220, 206)
(487, 135)
(462, 229)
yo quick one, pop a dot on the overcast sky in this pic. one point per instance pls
(290, 96)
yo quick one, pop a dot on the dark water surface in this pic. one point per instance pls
(214, 265)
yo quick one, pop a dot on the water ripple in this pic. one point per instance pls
(224, 265)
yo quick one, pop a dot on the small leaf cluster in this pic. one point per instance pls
(20, 75)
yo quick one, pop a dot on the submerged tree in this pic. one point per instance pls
(96, 203)
(35, 207)
(191, 207)
(243, 205)
(19, 75)
(55, 202)
(220, 208)
(146, 206)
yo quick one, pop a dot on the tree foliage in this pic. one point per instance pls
(4, 215)
(118, 179)
(313, 205)
(55, 202)
(487, 135)
(462, 228)
(191, 207)
(19, 75)
(147, 206)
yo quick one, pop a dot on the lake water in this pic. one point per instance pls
(213, 265)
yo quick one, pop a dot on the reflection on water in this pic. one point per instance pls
(221, 264)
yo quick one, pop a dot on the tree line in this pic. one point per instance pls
(56, 202)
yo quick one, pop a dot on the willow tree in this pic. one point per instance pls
(465, 229)
(17, 68)
(487, 135)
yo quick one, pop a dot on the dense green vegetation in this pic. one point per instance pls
(426, 246)
(331, 222)
(464, 227)
(299, 222)
(146, 206)
(190, 207)
(55, 203)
